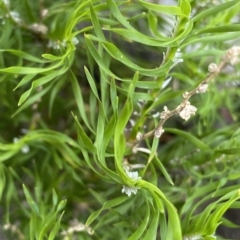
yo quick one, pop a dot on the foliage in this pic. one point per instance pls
(86, 149)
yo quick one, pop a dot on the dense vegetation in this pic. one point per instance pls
(119, 118)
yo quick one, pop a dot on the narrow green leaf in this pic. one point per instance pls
(220, 29)
(85, 139)
(151, 233)
(107, 205)
(228, 151)
(30, 201)
(140, 230)
(55, 228)
(79, 100)
(24, 55)
(171, 10)
(25, 80)
(54, 197)
(153, 25)
(210, 39)
(214, 10)
(163, 170)
(190, 138)
(98, 58)
(29, 70)
(2, 179)
(91, 83)
(96, 25)
(118, 55)
(33, 99)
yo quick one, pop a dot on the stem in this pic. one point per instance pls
(182, 105)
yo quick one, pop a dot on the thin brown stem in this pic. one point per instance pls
(186, 96)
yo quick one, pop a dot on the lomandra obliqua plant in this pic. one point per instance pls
(119, 119)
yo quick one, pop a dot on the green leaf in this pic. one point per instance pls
(190, 138)
(54, 197)
(55, 228)
(171, 10)
(100, 134)
(30, 201)
(228, 151)
(98, 58)
(118, 55)
(140, 230)
(33, 99)
(84, 137)
(40, 82)
(96, 25)
(220, 29)
(91, 83)
(2, 179)
(214, 10)
(24, 55)
(29, 70)
(210, 39)
(107, 205)
(153, 25)
(163, 170)
(151, 233)
(79, 100)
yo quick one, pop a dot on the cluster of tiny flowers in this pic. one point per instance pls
(232, 55)
(164, 114)
(13, 228)
(127, 189)
(39, 28)
(6, 3)
(202, 88)
(15, 16)
(212, 67)
(25, 148)
(187, 111)
(158, 132)
(56, 44)
(139, 136)
(76, 226)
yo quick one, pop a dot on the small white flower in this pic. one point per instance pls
(53, 44)
(75, 41)
(158, 132)
(56, 44)
(44, 12)
(39, 28)
(6, 2)
(139, 136)
(202, 88)
(155, 115)
(25, 148)
(133, 175)
(185, 95)
(76, 226)
(15, 16)
(132, 122)
(164, 114)
(212, 67)
(127, 189)
(232, 55)
(187, 111)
